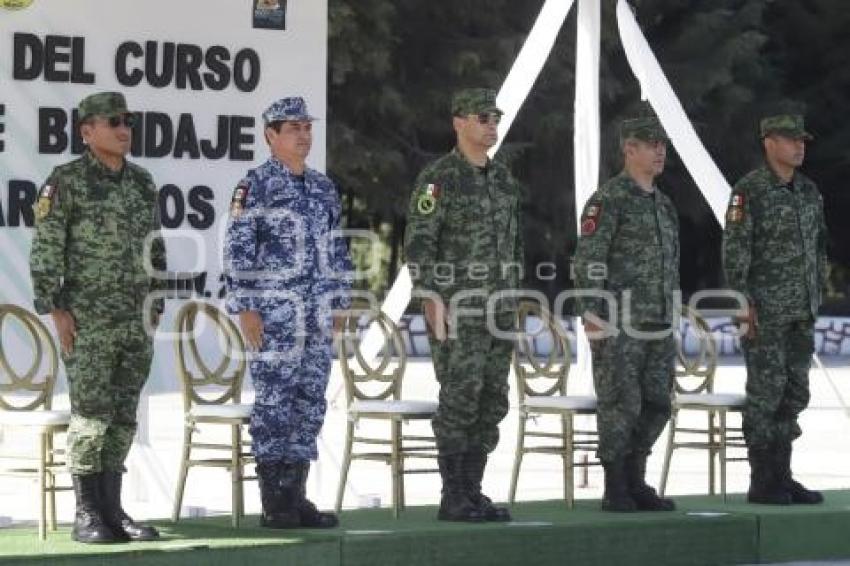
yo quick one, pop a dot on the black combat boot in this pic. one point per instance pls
(475, 462)
(279, 496)
(765, 483)
(121, 524)
(455, 503)
(310, 516)
(89, 526)
(645, 497)
(798, 492)
(617, 497)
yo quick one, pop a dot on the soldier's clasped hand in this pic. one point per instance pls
(252, 329)
(66, 328)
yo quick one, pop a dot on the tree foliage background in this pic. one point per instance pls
(395, 63)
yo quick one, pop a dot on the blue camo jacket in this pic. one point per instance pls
(281, 236)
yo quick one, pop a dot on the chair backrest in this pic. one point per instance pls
(538, 377)
(34, 388)
(378, 379)
(202, 385)
(695, 374)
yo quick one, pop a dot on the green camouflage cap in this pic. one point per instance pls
(103, 104)
(474, 101)
(646, 128)
(789, 125)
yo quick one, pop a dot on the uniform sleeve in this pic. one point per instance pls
(822, 242)
(240, 249)
(738, 242)
(677, 253)
(598, 227)
(47, 255)
(158, 254)
(425, 217)
(519, 246)
(341, 263)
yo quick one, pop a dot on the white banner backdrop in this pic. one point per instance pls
(200, 73)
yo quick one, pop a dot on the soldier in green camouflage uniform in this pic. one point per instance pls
(629, 247)
(464, 234)
(93, 216)
(774, 253)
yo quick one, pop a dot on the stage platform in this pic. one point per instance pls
(704, 530)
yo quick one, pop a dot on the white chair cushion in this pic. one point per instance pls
(394, 407)
(711, 399)
(227, 411)
(566, 402)
(35, 418)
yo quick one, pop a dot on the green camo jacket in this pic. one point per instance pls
(629, 242)
(464, 228)
(88, 251)
(774, 245)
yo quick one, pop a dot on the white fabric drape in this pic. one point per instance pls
(393, 306)
(657, 90)
(535, 51)
(586, 138)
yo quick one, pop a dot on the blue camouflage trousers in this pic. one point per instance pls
(290, 376)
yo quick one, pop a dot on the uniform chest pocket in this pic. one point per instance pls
(318, 216)
(466, 212)
(777, 215)
(640, 225)
(809, 218)
(281, 213)
(90, 220)
(504, 212)
(97, 193)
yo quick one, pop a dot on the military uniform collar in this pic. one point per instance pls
(95, 166)
(284, 169)
(460, 157)
(775, 181)
(635, 188)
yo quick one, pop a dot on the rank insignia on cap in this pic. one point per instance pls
(588, 227)
(237, 203)
(593, 211)
(738, 200)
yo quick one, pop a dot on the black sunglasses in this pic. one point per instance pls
(128, 120)
(488, 117)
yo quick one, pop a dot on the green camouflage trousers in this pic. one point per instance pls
(472, 370)
(633, 378)
(106, 372)
(778, 361)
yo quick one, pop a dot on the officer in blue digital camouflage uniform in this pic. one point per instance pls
(286, 269)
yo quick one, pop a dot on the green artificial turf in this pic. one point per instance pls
(702, 531)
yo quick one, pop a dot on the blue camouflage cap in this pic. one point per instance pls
(291, 108)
